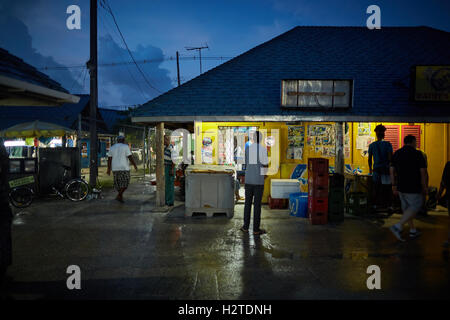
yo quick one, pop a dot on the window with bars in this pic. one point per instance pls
(316, 93)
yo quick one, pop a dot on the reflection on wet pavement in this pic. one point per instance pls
(126, 251)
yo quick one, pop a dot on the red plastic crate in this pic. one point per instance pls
(278, 203)
(318, 218)
(317, 191)
(318, 179)
(317, 165)
(317, 205)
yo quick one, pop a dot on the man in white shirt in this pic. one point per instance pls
(118, 156)
(256, 163)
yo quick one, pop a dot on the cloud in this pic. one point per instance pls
(124, 84)
(117, 85)
(19, 43)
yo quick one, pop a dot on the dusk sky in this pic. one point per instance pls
(35, 30)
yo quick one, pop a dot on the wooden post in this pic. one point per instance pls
(160, 182)
(149, 145)
(144, 147)
(339, 156)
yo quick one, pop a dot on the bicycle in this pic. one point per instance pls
(74, 189)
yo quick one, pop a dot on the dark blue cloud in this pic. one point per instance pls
(130, 84)
(19, 43)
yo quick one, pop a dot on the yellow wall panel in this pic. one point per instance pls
(434, 141)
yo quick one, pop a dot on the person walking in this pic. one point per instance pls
(410, 182)
(445, 185)
(118, 157)
(169, 174)
(5, 220)
(380, 152)
(257, 161)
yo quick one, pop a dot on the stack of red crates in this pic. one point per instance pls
(318, 190)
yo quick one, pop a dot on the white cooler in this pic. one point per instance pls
(282, 188)
(210, 190)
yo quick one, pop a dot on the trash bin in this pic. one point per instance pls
(210, 190)
(298, 204)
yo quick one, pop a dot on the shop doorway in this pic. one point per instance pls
(231, 145)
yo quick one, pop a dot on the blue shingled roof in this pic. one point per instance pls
(378, 61)
(111, 117)
(65, 115)
(14, 67)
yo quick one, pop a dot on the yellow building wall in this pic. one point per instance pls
(362, 161)
(434, 142)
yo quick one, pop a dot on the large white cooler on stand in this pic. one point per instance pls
(210, 190)
(282, 188)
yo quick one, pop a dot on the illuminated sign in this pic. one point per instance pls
(432, 83)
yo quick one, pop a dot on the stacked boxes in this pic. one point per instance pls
(318, 190)
(275, 203)
(280, 189)
(336, 198)
(357, 203)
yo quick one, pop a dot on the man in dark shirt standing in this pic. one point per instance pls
(410, 182)
(445, 184)
(380, 152)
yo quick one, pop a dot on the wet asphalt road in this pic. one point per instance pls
(126, 251)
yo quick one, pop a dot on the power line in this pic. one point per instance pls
(126, 45)
(75, 79)
(144, 96)
(118, 64)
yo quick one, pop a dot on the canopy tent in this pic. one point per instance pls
(35, 129)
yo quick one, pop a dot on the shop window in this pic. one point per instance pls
(316, 93)
(411, 130)
(231, 145)
(392, 135)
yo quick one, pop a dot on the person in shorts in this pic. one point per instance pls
(380, 157)
(410, 182)
(118, 157)
(445, 185)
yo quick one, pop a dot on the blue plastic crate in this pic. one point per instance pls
(298, 204)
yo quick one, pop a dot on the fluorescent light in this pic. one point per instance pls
(14, 143)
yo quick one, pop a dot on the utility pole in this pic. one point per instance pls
(199, 49)
(92, 65)
(178, 68)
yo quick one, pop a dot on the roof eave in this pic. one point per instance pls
(290, 118)
(15, 92)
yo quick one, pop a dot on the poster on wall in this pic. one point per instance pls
(363, 128)
(84, 151)
(296, 142)
(362, 143)
(347, 146)
(207, 150)
(321, 138)
(346, 152)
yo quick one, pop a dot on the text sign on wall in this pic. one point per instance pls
(432, 83)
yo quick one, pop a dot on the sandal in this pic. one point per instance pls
(119, 199)
(259, 232)
(243, 229)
